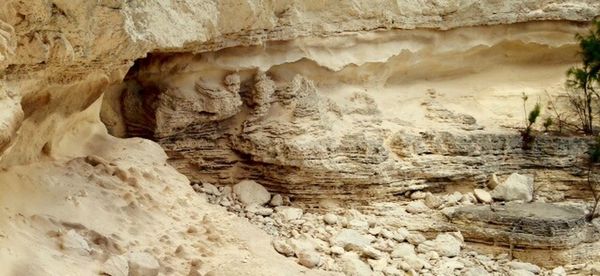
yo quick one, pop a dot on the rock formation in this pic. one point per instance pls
(316, 100)
(314, 127)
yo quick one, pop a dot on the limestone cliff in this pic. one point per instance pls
(357, 114)
(316, 99)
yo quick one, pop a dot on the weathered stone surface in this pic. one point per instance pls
(521, 272)
(72, 241)
(227, 111)
(320, 145)
(330, 218)
(417, 207)
(483, 196)
(283, 247)
(289, 213)
(476, 271)
(493, 182)
(350, 240)
(530, 225)
(525, 266)
(559, 271)
(250, 192)
(309, 258)
(116, 266)
(515, 187)
(142, 264)
(276, 200)
(433, 201)
(402, 250)
(351, 265)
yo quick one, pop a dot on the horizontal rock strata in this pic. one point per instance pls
(311, 126)
(539, 232)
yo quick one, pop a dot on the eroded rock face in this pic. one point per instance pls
(530, 227)
(561, 224)
(288, 129)
(11, 117)
(308, 111)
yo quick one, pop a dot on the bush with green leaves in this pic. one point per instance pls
(527, 135)
(583, 81)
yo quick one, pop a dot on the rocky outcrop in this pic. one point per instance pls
(282, 128)
(314, 99)
(526, 228)
(218, 104)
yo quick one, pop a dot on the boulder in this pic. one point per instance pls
(418, 195)
(415, 262)
(116, 266)
(392, 271)
(401, 234)
(415, 238)
(432, 201)
(358, 224)
(524, 266)
(259, 210)
(330, 219)
(289, 213)
(402, 250)
(309, 258)
(375, 231)
(350, 239)
(351, 265)
(337, 250)
(447, 245)
(516, 187)
(283, 248)
(468, 198)
(448, 267)
(476, 271)
(276, 200)
(416, 207)
(250, 192)
(453, 198)
(559, 271)
(432, 255)
(302, 244)
(210, 189)
(482, 196)
(371, 253)
(493, 181)
(377, 265)
(142, 264)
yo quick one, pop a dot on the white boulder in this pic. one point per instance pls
(142, 264)
(482, 196)
(116, 266)
(351, 265)
(516, 187)
(309, 258)
(250, 192)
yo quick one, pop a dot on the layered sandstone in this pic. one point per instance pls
(340, 99)
(310, 118)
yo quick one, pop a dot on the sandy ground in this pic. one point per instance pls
(123, 199)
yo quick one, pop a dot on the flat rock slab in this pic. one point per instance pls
(528, 225)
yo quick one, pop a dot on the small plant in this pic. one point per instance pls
(527, 135)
